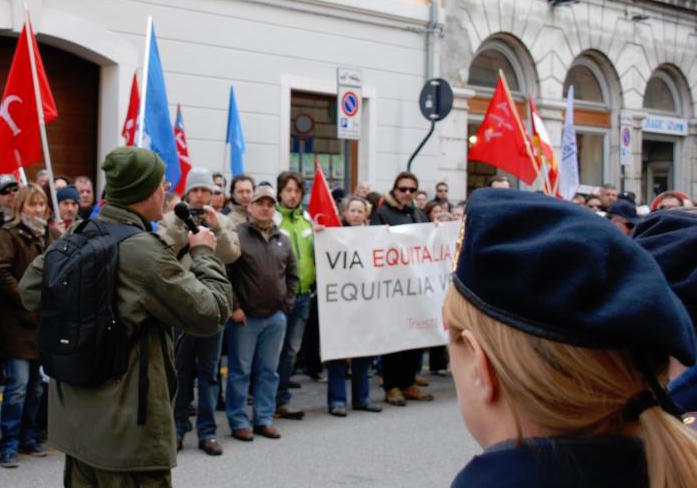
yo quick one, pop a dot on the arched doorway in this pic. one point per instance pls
(666, 100)
(596, 106)
(501, 52)
(73, 135)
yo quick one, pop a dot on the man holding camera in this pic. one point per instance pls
(199, 354)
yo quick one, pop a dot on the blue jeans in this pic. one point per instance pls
(291, 345)
(360, 383)
(203, 353)
(21, 401)
(254, 348)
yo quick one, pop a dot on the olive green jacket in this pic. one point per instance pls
(98, 426)
(174, 230)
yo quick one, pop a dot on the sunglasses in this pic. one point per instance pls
(407, 189)
(7, 191)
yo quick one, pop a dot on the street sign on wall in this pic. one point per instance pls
(348, 103)
(626, 141)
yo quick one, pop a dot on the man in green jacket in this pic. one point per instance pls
(296, 224)
(97, 427)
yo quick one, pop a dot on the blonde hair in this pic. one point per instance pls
(577, 391)
(28, 194)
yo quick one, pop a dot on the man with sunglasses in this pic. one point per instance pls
(399, 369)
(8, 192)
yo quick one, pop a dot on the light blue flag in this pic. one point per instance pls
(568, 180)
(159, 135)
(235, 137)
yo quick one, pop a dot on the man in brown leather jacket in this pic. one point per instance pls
(265, 282)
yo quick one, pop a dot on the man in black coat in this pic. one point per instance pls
(399, 368)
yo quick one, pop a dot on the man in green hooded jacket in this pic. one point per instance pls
(97, 428)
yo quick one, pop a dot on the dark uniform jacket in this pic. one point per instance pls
(18, 327)
(599, 462)
(98, 426)
(391, 212)
(265, 277)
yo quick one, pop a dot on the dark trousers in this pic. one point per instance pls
(197, 356)
(437, 358)
(310, 350)
(80, 475)
(399, 369)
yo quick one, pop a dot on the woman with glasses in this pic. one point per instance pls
(21, 240)
(8, 192)
(354, 211)
(399, 369)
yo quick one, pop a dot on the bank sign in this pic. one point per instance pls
(665, 125)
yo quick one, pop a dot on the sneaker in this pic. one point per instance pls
(36, 450)
(294, 385)
(415, 393)
(8, 460)
(368, 407)
(338, 411)
(395, 397)
(420, 380)
(288, 412)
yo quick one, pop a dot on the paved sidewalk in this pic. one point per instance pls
(422, 444)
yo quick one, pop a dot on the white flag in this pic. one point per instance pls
(569, 180)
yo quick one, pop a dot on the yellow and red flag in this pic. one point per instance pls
(544, 153)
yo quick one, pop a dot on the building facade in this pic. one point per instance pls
(632, 65)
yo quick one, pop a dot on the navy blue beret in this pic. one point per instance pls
(557, 271)
(671, 238)
(68, 192)
(624, 208)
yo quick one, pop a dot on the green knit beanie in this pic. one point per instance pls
(132, 175)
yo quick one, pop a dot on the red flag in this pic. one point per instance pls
(502, 140)
(183, 150)
(20, 140)
(321, 207)
(129, 125)
(544, 152)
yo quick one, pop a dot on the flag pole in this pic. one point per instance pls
(547, 186)
(144, 91)
(40, 111)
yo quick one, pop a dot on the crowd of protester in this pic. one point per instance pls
(266, 241)
(272, 332)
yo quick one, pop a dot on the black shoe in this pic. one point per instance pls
(295, 385)
(268, 431)
(318, 377)
(368, 407)
(211, 447)
(338, 411)
(288, 412)
(180, 445)
(36, 450)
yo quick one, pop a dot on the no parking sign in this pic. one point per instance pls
(348, 102)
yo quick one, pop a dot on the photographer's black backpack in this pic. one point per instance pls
(81, 340)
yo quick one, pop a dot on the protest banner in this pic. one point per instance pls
(380, 288)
